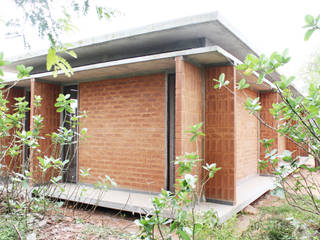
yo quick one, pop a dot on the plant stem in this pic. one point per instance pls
(17, 231)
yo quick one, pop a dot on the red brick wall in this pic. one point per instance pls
(9, 163)
(280, 142)
(267, 99)
(49, 93)
(188, 107)
(126, 128)
(220, 141)
(247, 137)
(297, 151)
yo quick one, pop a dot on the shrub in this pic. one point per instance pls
(175, 214)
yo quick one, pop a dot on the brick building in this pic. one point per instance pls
(142, 88)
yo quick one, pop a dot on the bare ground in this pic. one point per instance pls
(267, 200)
(87, 224)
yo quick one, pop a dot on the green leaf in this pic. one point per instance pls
(310, 169)
(242, 67)
(72, 54)
(308, 34)
(222, 77)
(60, 109)
(184, 235)
(261, 77)
(51, 58)
(216, 86)
(253, 105)
(243, 84)
(309, 19)
(173, 226)
(29, 69)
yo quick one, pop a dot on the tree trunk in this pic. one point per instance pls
(316, 162)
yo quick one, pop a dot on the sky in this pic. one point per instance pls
(271, 25)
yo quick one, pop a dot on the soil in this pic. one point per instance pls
(80, 223)
(266, 200)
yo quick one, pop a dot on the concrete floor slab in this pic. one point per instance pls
(247, 192)
(115, 199)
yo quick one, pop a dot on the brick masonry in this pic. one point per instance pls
(126, 129)
(247, 137)
(267, 99)
(49, 93)
(297, 151)
(280, 142)
(220, 141)
(16, 163)
(188, 107)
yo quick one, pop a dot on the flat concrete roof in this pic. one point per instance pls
(163, 62)
(179, 34)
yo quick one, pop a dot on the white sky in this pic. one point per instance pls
(268, 24)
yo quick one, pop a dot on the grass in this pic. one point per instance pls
(8, 222)
(271, 228)
(282, 222)
(273, 223)
(287, 211)
(103, 232)
(226, 230)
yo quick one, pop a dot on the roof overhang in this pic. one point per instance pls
(179, 34)
(164, 62)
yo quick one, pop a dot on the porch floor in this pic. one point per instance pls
(247, 192)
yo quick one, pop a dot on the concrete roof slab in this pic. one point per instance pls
(163, 37)
(164, 62)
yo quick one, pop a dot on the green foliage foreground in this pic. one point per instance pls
(175, 214)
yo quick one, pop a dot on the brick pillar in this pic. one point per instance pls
(11, 165)
(220, 137)
(49, 93)
(188, 107)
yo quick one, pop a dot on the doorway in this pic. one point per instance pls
(26, 150)
(70, 151)
(171, 109)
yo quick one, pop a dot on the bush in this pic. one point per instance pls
(175, 214)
